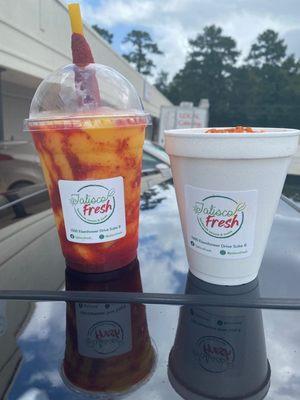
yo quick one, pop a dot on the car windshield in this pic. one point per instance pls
(72, 338)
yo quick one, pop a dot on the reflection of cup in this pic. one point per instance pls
(219, 352)
(108, 348)
(91, 157)
(228, 186)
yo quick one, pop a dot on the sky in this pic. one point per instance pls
(172, 22)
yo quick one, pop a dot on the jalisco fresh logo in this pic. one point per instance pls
(94, 204)
(105, 337)
(214, 354)
(220, 216)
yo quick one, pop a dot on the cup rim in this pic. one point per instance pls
(195, 133)
(79, 121)
(187, 393)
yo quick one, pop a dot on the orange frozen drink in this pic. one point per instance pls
(88, 126)
(98, 164)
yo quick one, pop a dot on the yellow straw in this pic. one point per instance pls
(75, 17)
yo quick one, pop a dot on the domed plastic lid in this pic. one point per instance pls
(94, 95)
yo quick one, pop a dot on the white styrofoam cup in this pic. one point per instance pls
(228, 187)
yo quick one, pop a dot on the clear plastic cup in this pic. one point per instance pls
(228, 186)
(90, 147)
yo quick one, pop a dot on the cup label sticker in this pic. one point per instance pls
(94, 211)
(103, 330)
(220, 224)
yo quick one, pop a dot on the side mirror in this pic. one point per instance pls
(164, 169)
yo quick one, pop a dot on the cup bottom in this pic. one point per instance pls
(188, 394)
(221, 280)
(98, 269)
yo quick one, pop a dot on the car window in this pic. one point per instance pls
(22, 201)
(149, 161)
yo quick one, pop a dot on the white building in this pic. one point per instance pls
(35, 37)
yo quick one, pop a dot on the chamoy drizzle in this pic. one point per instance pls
(236, 129)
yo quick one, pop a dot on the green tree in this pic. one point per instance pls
(104, 33)
(207, 72)
(291, 65)
(269, 49)
(265, 91)
(213, 49)
(161, 82)
(142, 47)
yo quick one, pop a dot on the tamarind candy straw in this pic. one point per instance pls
(82, 56)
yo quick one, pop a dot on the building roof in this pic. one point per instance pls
(35, 40)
